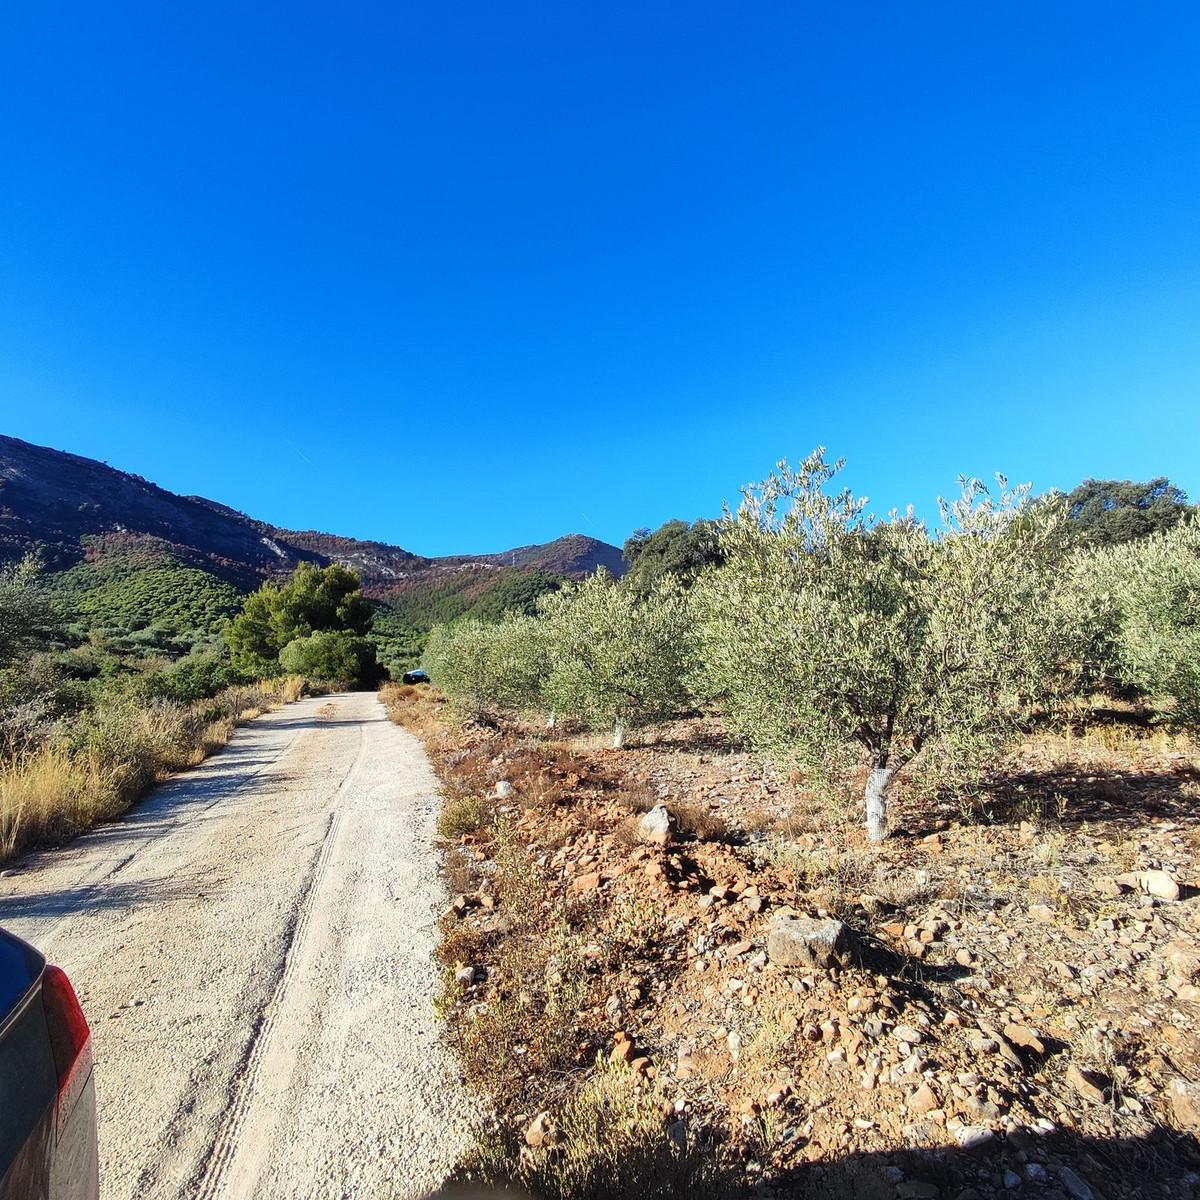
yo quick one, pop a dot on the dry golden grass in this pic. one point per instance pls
(415, 707)
(832, 877)
(1106, 747)
(289, 690)
(611, 1141)
(52, 794)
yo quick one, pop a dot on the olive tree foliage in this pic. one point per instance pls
(1082, 623)
(617, 658)
(830, 637)
(487, 668)
(1141, 602)
(27, 611)
(30, 622)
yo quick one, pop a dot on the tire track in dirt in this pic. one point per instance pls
(253, 948)
(233, 1161)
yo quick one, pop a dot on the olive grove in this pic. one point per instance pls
(854, 646)
(828, 634)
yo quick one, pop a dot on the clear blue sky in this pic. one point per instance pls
(474, 275)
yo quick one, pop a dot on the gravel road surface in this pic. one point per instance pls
(252, 945)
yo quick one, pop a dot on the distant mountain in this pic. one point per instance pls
(55, 502)
(74, 509)
(574, 555)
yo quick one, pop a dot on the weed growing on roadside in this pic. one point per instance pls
(611, 1142)
(462, 816)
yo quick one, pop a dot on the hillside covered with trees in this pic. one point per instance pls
(152, 573)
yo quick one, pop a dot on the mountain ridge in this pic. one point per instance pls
(58, 503)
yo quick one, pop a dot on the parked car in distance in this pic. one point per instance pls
(48, 1148)
(417, 676)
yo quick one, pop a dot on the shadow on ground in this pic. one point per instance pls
(1061, 1166)
(1124, 797)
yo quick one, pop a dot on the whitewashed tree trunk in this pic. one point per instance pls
(552, 720)
(618, 733)
(877, 786)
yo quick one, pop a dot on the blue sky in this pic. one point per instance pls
(464, 277)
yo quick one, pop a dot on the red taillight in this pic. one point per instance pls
(70, 1038)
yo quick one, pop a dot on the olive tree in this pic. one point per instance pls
(1130, 615)
(617, 658)
(1155, 584)
(30, 685)
(828, 635)
(28, 614)
(488, 667)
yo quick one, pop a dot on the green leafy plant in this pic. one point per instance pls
(489, 667)
(1106, 512)
(617, 659)
(331, 655)
(315, 600)
(829, 635)
(1156, 592)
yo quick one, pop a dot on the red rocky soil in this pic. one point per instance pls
(1016, 1012)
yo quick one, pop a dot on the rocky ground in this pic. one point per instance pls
(995, 1002)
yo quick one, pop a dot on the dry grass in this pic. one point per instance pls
(415, 707)
(291, 689)
(52, 795)
(689, 819)
(1104, 747)
(463, 816)
(831, 877)
(537, 988)
(699, 823)
(611, 1141)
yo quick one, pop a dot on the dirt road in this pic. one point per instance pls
(252, 946)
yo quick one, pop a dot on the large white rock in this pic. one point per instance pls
(655, 826)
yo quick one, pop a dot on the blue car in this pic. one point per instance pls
(48, 1146)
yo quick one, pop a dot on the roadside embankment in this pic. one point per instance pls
(673, 970)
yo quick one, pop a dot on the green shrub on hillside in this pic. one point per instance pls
(132, 594)
(515, 592)
(675, 550)
(202, 673)
(398, 644)
(315, 600)
(30, 620)
(482, 592)
(332, 655)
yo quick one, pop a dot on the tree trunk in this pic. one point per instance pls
(552, 720)
(878, 782)
(618, 733)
